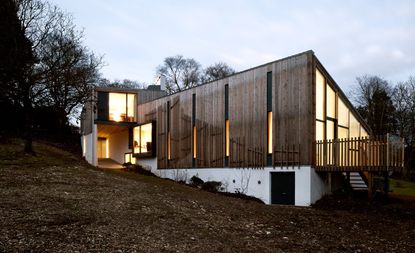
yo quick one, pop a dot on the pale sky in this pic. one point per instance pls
(351, 38)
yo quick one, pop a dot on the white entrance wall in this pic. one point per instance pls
(309, 186)
(87, 145)
(118, 146)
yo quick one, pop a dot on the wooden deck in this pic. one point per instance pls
(372, 153)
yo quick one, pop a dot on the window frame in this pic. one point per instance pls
(152, 152)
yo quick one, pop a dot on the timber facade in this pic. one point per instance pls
(287, 116)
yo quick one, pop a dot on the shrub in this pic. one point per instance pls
(196, 181)
(138, 169)
(212, 186)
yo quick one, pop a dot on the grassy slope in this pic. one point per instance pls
(56, 202)
(11, 155)
(401, 187)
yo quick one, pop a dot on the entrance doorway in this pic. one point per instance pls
(102, 148)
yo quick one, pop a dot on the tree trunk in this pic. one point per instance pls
(28, 121)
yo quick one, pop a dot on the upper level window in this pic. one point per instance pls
(121, 107)
(116, 106)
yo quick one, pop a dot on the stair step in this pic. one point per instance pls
(356, 181)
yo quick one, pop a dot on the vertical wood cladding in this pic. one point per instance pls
(292, 117)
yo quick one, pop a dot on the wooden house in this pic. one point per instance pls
(283, 132)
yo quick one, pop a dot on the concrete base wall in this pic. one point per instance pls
(87, 147)
(309, 186)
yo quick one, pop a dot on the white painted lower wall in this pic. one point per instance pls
(87, 145)
(309, 186)
(118, 146)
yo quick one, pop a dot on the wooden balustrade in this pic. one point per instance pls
(371, 153)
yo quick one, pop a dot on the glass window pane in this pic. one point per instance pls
(227, 137)
(354, 127)
(117, 106)
(127, 158)
(269, 133)
(331, 102)
(195, 142)
(343, 114)
(136, 140)
(342, 132)
(320, 84)
(130, 107)
(330, 130)
(320, 129)
(146, 137)
(363, 132)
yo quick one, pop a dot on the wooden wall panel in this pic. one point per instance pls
(292, 106)
(292, 117)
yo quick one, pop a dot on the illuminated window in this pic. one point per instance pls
(194, 141)
(354, 127)
(363, 132)
(343, 113)
(342, 132)
(136, 142)
(168, 146)
(320, 95)
(143, 139)
(331, 102)
(129, 158)
(320, 129)
(330, 130)
(121, 107)
(130, 107)
(269, 132)
(227, 137)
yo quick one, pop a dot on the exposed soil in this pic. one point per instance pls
(57, 203)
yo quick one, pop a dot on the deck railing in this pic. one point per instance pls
(371, 153)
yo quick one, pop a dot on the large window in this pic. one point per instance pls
(354, 127)
(331, 102)
(320, 95)
(143, 140)
(269, 137)
(343, 114)
(121, 107)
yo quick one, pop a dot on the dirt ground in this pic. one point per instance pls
(55, 202)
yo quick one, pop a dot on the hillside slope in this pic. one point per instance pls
(56, 202)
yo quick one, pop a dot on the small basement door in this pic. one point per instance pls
(283, 188)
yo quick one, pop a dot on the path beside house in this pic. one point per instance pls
(55, 202)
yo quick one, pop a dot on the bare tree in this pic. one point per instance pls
(63, 72)
(373, 98)
(125, 83)
(181, 73)
(404, 102)
(217, 71)
(70, 72)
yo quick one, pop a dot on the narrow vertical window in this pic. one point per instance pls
(168, 146)
(269, 118)
(194, 128)
(269, 143)
(194, 142)
(227, 137)
(227, 142)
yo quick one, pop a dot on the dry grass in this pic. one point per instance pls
(55, 202)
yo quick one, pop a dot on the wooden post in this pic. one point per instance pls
(370, 184)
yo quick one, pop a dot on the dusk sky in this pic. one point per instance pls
(351, 38)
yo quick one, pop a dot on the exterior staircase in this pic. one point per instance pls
(356, 181)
